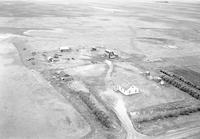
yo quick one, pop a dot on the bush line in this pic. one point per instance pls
(170, 114)
(99, 114)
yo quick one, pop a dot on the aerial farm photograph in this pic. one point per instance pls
(99, 69)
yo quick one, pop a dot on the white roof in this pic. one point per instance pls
(131, 90)
(64, 48)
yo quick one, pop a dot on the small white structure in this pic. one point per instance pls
(157, 79)
(50, 59)
(134, 114)
(147, 73)
(65, 49)
(130, 91)
(162, 82)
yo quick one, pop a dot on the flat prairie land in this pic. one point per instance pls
(45, 93)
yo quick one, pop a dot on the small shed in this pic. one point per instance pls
(50, 59)
(65, 49)
(162, 82)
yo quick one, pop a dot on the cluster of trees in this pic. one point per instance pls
(99, 114)
(166, 73)
(169, 114)
(171, 111)
(186, 81)
(180, 78)
(182, 86)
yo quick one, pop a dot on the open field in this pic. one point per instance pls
(30, 106)
(46, 93)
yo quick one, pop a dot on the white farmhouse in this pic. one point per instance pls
(130, 91)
